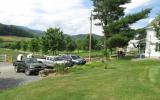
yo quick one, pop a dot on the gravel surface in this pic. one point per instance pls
(10, 79)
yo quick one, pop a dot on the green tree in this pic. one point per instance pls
(55, 39)
(141, 34)
(17, 45)
(108, 11)
(24, 45)
(86, 41)
(44, 43)
(70, 44)
(117, 41)
(156, 24)
(112, 18)
(1, 40)
(34, 45)
(79, 44)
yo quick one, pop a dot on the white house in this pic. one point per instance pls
(152, 49)
(152, 44)
(132, 45)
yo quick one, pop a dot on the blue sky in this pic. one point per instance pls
(72, 16)
(154, 4)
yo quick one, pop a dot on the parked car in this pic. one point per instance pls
(75, 59)
(52, 60)
(29, 66)
(41, 60)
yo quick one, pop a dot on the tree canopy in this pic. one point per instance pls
(113, 20)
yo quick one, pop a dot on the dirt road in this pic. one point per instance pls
(10, 79)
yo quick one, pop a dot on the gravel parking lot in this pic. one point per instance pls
(10, 79)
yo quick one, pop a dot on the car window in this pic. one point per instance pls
(75, 57)
(31, 61)
(47, 58)
(58, 58)
(67, 57)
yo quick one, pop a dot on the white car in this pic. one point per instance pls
(52, 60)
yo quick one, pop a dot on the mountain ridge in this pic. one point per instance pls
(22, 31)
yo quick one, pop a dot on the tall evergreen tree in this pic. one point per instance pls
(111, 16)
(108, 11)
(156, 24)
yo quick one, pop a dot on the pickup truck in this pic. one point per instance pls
(28, 66)
(52, 60)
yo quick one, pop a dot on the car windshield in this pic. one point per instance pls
(58, 59)
(31, 61)
(67, 57)
(75, 57)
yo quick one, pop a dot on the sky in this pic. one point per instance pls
(72, 16)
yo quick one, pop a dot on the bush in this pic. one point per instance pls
(60, 68)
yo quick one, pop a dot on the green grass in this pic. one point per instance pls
(11, 54)
(123, 80)
(13, 38)
(84, 53)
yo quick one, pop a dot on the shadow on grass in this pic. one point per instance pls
(111, 68)
(6, 83)
(127, 58)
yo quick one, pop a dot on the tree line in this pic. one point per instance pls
(52, 41)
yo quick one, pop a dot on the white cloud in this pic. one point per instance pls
(150, 20)
(136, 4)
(142, 23)
(70, 15)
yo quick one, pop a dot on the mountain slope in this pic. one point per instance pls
(82, 36)
(12, 30)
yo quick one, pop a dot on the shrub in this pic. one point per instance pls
(60, 68)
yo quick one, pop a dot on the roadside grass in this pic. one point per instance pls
(123, 80)
(11, 54)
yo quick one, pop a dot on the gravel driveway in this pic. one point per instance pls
(10, 79)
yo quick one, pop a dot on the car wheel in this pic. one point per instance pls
(27, 72)
(16, 69)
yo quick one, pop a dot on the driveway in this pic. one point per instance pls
(10, 79)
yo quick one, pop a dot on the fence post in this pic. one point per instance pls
(5, 57)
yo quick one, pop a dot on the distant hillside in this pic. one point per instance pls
(21, 31)
(12, 30)
(82, 36)
(35, 32)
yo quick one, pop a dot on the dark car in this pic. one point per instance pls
(29, 66)
(75, 59)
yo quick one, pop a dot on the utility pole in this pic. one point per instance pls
(90, 40)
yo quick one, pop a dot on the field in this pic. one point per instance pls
(84, 53)
(122, 80)
(13, 38)
(11, 54)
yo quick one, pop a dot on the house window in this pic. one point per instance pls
(157, 46)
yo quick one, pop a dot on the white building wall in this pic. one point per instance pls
(151, 40)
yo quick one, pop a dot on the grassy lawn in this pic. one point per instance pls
(123, 80)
